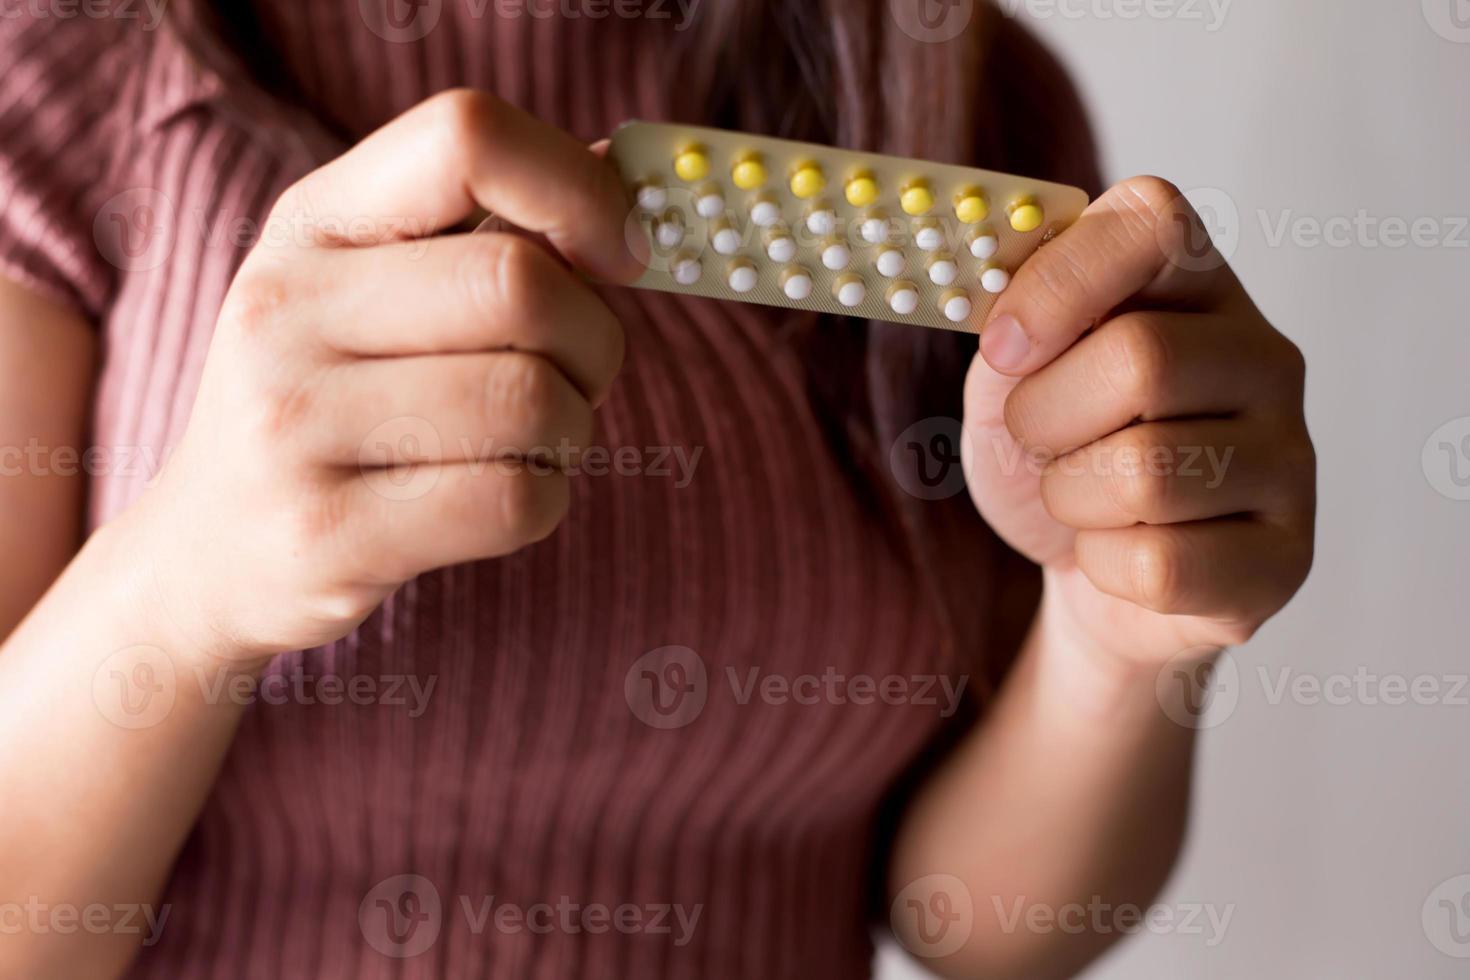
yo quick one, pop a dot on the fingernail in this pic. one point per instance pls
(1004, 343)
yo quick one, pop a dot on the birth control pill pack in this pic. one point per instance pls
(760, 220)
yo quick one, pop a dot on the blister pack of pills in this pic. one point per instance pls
(759, 220)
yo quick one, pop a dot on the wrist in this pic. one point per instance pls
(162, 593)
(1087, 677)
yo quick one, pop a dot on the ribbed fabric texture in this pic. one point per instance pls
(528, 778)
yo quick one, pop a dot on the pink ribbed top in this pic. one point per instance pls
(371, 839)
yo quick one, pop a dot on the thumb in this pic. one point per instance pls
(1117, 251)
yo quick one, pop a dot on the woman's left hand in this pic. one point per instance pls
(1135, 426)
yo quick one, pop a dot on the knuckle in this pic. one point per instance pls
(340, 606)
(534, 382)
(477, 276)
(1239, 632)
(1136, 363)
(1021, 414)
(1143, 495)
(283, 408)
(1305, 558)
(1297, 457)
(1157, 573)
(1290, 493)
(316, 519)
(1150, 212)
(464, 116)
(1148, 196)
(298, 199)
(258, 300)
(1293, 365)
(1059, 275)
(523, 390)
(518, 277)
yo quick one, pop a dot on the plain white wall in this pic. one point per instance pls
(1327, 825)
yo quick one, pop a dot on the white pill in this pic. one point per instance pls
(652, 197)
(995, 279)
(836, 256)
(765, 213)
(710, 206)
(821, 222)
(957, 308)
(942, 272)
(726, 241)
(851, 293)
(929, 238)
(875, 231)
(742, 278)
(890, 262)
(798, 285)
(782, 249)
(984, 246)
(686, 271)
(904, 300)
(670, 234)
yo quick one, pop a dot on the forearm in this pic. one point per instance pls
(1073, 791)
(105, 766)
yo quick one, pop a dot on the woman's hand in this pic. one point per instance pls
(349, 347)
(1135, 426)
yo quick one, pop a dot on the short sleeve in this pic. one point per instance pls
(59, 111)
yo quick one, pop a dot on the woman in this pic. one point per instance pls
(233, 249)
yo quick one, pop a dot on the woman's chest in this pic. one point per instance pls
(583, 66)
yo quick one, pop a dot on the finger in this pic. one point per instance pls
(482, 220)
(1117, 251)
(463, 293)
(447, 408)
(1148, 366)
(430, 168)
(1230, 569)
(1169, 473)
(413, 519)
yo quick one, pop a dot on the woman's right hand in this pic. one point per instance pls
(351, 344)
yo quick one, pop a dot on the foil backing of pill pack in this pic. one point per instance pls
(760, 220)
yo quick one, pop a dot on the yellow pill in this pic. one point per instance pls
(808, 181)
(916, 199)
(748, 174)
(692, 164)
(862, 190)
(1026, 216)
(971, 207)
